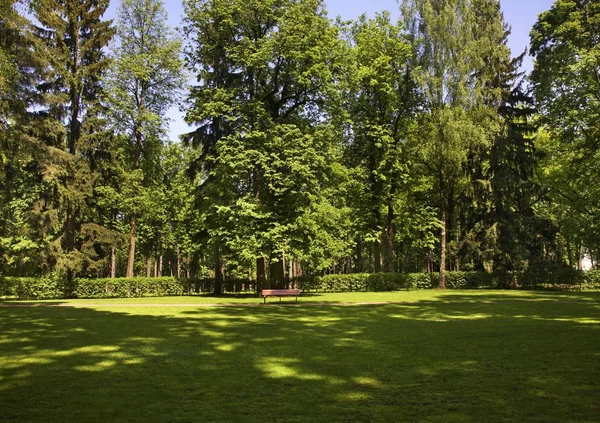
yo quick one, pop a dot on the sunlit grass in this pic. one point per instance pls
(433, 356)
(318, 298)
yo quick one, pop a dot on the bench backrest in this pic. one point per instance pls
(280, 292)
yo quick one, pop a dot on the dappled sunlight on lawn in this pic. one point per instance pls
(481, 357)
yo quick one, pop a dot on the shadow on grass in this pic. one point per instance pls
(470, 358)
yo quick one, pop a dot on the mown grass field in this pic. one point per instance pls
(460, 356)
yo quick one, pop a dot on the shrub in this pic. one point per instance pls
(420, 281)
(364, 282)
(47, 287)
(129, 287)
(592, 280)
(8, 286)
(555, 278)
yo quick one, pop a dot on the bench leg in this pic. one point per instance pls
(265, 300)
(280, 299)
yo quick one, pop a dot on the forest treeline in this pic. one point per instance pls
(319, 146)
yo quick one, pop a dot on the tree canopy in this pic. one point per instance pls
(317, 146)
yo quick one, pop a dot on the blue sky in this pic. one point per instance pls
(519, 14)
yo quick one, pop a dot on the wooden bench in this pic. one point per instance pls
(280, 293)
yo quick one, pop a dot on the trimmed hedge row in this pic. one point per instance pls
(53, 287)
(43, 288)
(128, 287)
(395, 281)
(558, 279)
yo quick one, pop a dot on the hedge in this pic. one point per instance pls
(365, 282)
(54, 287)
(558, 279)
(43, 288)
(128, 287)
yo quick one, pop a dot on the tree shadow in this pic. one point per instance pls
(505, 359)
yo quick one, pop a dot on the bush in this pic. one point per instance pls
(129, 287)
(8, 286)
(47, 287)
(355, 282)
(592, 280)
(556, 278)
(420, 281)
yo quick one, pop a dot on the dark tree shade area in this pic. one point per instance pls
(318, 146)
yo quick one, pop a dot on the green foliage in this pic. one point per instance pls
(564, 43)
(365, 282)
(47, 287)
(129, 287)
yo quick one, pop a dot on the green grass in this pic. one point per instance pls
(460, 356)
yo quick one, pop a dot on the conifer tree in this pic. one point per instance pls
(72, 39)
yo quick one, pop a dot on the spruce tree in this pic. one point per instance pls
(72, 38)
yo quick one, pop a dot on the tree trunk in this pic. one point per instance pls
(359, 267)
(160, 265)
(178, 265)
(389, 238)
(131, 255)
(277, 274)
(218, 272)
(260, 274)
(249, 281)
(113, 264)
(442, 238)
(148, 265)
(377, 254)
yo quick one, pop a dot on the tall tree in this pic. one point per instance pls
(456, 120)
(265, 70)
(143, 83)
(566, 78)
(72, 41)
(382, 103)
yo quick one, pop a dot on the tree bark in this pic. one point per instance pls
(389, 238)
(113, 264)
(359, 267)
(442, 237)
(377, 254)
(277, 274)
(260, 274)
(218, 272)
(160, 265)
(131, 255)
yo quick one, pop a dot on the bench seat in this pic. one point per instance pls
(280, 293)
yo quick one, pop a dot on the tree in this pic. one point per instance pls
(72, 38)
(566, 81)
(456, 120)
(381, 101)
(265, 70)
(142, 84)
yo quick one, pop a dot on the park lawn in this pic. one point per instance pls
(459, 356)
(315, 298)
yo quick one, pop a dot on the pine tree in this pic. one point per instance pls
(72, 38)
